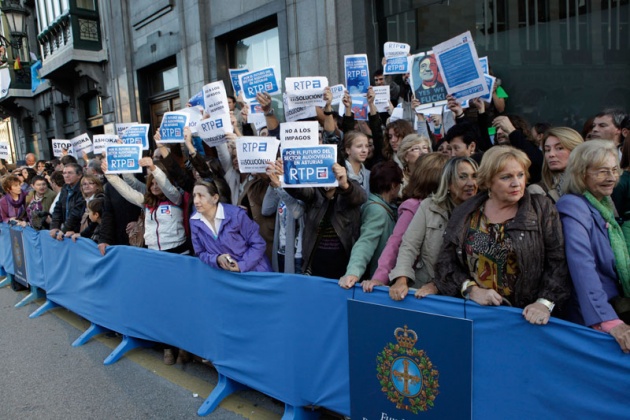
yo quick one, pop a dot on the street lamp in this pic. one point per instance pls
(16, 18)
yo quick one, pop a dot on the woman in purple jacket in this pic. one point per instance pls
(223, 235)
(596, 250)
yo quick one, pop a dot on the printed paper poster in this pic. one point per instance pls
(137, 134)
(101, 141)
(309, 166)
(172, 127)
(263, 80)
(426, 80)
(298, 134)
(123, 158)
(357, 74)
(253, 153)
(459, 65)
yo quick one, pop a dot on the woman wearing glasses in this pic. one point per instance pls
(597, 253)
(505, 245)
(411, 148)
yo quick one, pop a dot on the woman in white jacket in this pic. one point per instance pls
(163, 209)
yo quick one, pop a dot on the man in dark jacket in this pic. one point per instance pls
(66, 217)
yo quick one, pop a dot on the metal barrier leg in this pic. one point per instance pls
(92, 331)
(6, 281)
(299, 413)
(127, 343)
(225, 387)
(48, 305)
(36, 293)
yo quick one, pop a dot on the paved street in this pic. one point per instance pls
(43, 377)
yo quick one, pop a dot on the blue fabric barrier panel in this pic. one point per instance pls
(559, 370)
(34, 260)
(282, 335)
(6, 256)
(286, 335)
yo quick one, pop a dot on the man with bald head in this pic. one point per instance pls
(31, 160)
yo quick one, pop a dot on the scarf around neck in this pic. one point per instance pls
(616, 237)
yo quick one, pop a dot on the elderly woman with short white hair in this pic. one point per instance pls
(597, 253)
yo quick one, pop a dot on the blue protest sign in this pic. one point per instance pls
(483, 61)
(258, 81)
(123, 158)
(234, 73)
(396, 65)
(309, 166)
(197, 99)
(404, 365)
(172, 127)
(490, 81)
(137, 134)
(460, 67)
(357, 74)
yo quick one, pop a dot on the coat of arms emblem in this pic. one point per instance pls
(406, 374)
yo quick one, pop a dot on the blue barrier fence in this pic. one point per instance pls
(286, 335)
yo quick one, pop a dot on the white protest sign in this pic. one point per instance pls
(305, 91)
(81, 144)
(123, 158)
(298, 134)
(172, 127)
(4, 150)
(101, 141)
(298, 113)
(137, 134)
(460, 68)
(263, 80)
(195, 113)
(396, 58)
(337, 93)
(59, 145)
(212, 130)
(381, 98)
(120, 128)
(309, 166)
(397, 114)
(215, 99)
(5, 81)
(258, 119)
(253, 153)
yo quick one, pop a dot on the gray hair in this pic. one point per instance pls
(585, 155)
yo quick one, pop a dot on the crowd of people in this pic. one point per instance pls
(470, 203)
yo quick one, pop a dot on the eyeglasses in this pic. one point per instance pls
(602, 174)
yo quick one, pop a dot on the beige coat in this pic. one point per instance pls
(421, 244)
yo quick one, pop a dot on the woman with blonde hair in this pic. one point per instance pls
(411, 148)
(505, 246)
(557, 146)
(422, 239)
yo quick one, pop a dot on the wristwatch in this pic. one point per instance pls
(466, 286)
(270, 113)
(549, 304)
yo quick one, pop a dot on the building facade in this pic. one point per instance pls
(115, 61)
